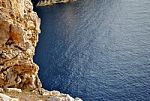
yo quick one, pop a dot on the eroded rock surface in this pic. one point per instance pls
(19, 28)
(24, 96)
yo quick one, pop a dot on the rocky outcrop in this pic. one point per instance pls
(19, 29)
(51, 2)
(14, 95)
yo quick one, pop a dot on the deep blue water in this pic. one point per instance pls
(98, 50)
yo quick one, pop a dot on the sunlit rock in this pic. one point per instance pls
(19, 29)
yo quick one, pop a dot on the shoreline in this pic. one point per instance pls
(52, 2)
(20, 28)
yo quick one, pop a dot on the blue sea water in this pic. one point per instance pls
(98, 50)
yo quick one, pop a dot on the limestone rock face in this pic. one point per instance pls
(19, 28)
(52, 96)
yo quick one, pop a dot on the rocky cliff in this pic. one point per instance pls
(19, 29)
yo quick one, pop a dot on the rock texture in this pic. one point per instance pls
(19, 28)
(16, 95)
(51, 2)
(4, 97)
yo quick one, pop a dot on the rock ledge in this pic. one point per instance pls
(15, 95)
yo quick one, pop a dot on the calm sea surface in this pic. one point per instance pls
(98, 50)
